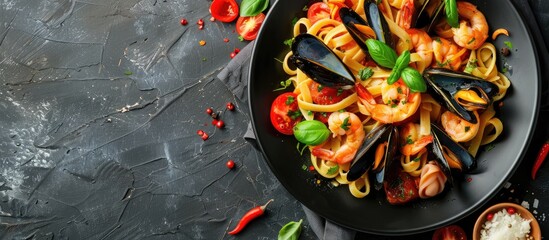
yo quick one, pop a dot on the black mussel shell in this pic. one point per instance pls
(320, 63)
(389, 171)
(364, 158)
(440, 139)
(350, 19)
(423, 18)
(444, 85)
(377, 22)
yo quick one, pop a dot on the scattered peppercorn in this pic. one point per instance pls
(214, 122)
(200, 132)
(202, 42)
(233, 55)
(200, 22)
(201, 27)
(209, 111)
(311, 168)
(215, 115)
(500, 104)
(205, 136)
(230, 106)
(490, 216)
(225, 39)
(230, 164)
(505, 51)
(212, 19)
(184, 22)
(511, 210)
(236, 50)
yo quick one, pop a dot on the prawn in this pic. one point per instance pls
(412, 142)
(473, 34)
(457, 128)
(423, 46)
(343, 124)
(405, 14)
(397, 103)
(447, 54)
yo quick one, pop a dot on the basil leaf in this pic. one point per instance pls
(290, 231)
(402, 62)
(333, 170)
(413, 80)
(382, 54)
(451, 13)
(250, 8)
(311, 132)
(365, 73)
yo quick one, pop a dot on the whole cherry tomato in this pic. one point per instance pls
(326, 95)
(452, 232)
(285, 113)
(224, 10)
(318, 11)
(248, 27)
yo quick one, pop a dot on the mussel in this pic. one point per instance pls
(320, 63)
(460, 92)
(427, 13)
(375, 20)
(450, 154)
(365, 157)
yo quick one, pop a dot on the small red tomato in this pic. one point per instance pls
(452, 232)
(511, 210)
(201, 27)
(490, 216)
(200, 132)
(224, 10)
(311, 168)
(220, 124)
(205, 136)
(225, 40)
(248, 27)
(184, 21)
(285, 113)
(230, 106)
(233, 54)
(230, 164)
(214, 122)
(318, 11)
(209, 111)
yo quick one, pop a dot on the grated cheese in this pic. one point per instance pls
(505, 226)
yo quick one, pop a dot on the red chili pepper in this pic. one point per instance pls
(249, 216)
(542, 154)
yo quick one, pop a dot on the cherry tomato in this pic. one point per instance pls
(452, 232)
(401, 190)
(224, 10)
(285, 113)
(204, 136)
(326, 95)
(322, 116)
(220, 124)
(318, 11)
(248, 27)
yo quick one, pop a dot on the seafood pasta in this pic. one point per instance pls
(395, 94)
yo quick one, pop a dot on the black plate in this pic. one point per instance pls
(373, 214)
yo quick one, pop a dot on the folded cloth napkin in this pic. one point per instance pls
(235, 76)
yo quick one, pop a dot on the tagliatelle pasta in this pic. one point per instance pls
(374, 102)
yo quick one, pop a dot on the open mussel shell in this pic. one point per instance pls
(377, 22)
(350, 20)
(389, 170)
(441, 140)
(320, 63)
(364, 158)
(445, 85)
(427, 14)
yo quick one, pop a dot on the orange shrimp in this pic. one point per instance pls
(343, 124)
(396, 104)
(473, 30)
(447, 54)
(423, 46)
(457, 128)
(412, 143)
(405, 14)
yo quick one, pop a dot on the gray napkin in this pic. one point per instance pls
(235, 76)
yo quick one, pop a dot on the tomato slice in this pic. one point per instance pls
(285, 113)
(452, 232)
(402, 189)
(326, 95)
(224, 10)
(248, 27)
(318, 11)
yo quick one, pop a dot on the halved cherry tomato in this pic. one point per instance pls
(248, 27)
(452, 232)
(318, 11)
(326, 95)
(285, 113)
(402, 189)
(224, 10)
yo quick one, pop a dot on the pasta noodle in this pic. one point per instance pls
(395, 98)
